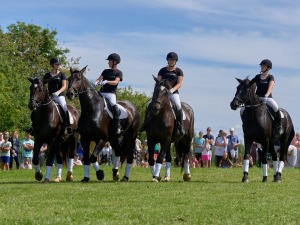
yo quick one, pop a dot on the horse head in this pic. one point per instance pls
(77, 83)
(242, 94)
(38, 92)
(160, 95)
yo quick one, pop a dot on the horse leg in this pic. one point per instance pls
(264, 160)
(164, 148)
(49, 163)
(182, 150)
(93, 159)
(246, 160)
(86, 157)
(130, 145)
(59, 160)
(71, 149)
(116, 163)
(151, 156)
(35, 161)
(275, 160)
(168, 166)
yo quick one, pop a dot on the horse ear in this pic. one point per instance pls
(155, 78)
(239, 80)
(83, 69)
(30, 79)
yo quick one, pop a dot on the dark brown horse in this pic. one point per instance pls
(96, 125)
(258, 126)
(49, 129)
(163, 130)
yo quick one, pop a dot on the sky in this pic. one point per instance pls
(216, 41)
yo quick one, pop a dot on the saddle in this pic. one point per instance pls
(122, 111)
(62, 113)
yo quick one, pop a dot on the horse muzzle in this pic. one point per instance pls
(71, 94)
(234, 104)
(32, 105)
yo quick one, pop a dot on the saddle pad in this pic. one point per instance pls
(123, 112)
(60, 111)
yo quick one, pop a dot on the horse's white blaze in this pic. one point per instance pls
(162, 88)
(35, 85)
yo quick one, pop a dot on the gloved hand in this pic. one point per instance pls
(171, 91)
(265, 99)
(103, 82)
(96, 83)
(55, 94)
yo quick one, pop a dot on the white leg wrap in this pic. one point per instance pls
(152, 170)
(157, 169)
(96, 166)
(265, 170)
(281, 165)
(127, 170)
(70, 164)
(87, 171)
(48, 172)
(116, 162)
(58, 170)
(168, 169)
(186, 167)
(246, 165)
(275, 167)
(36, 168)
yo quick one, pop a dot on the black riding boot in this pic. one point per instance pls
(278, 121)
(117, 119)
(180, 118)
(67, 122)
(146, 121)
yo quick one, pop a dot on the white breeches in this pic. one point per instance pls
(176, 99)
(271, 102)
(61, 100)
(111, 98)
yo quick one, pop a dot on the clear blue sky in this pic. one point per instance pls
(216, 41)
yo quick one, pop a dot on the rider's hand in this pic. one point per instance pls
(96, 83)
(103, 82)
(171, 91)
(55, 94)
(265, 99)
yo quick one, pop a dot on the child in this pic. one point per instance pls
(205, 153)
(5, 152)
(77, 161)
(225, 161)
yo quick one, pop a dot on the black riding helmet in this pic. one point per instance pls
(114, 57)
(172, 55)
(54, 60)
(266, 62)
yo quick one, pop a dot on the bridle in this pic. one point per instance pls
(241, 103)
(161, 104)
(81, 90)
(39, 102)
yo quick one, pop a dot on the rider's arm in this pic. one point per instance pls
(270, 88)
(179, 83)
(114, 82)
(63, 87)
(99, 79)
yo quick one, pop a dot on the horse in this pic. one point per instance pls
(163, 130)
(96, 125)
(258, 126)
(49, 129)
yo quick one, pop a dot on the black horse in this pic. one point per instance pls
(96, 125)
(163, 129)
(48, 128)
(259, 126)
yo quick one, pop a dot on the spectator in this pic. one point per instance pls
(79, 151)
(291, 156)
(253, 152)
(296, 143)
(77, 161)
(5, 152)
(205, 153)
(106, 154)
(1, 141)
(138, 151)
(211, 139)
(259, 155)
(14, 152)
(42, 154)
(199, 142)
(145, 151)
(27, 151)
(194, 163)
(156, 150)
(225, 162)
(233, 145)
(221, 145)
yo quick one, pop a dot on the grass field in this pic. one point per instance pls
(214, 196)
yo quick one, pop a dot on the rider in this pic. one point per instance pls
(265, 83)
(109, 80)
(175, 76)
(57, 84)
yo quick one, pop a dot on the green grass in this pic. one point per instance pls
(214, 196)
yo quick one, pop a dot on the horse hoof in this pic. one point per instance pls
(46, 181)
(156, 179)
(265, 179)
(57, 179)
(125, 179)
(100, 175)
(187, 177)
(70, 177)
(167, 178)
(116, 175)
(277, 177)
(245, 180)
(85, 180)
(38, 176)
